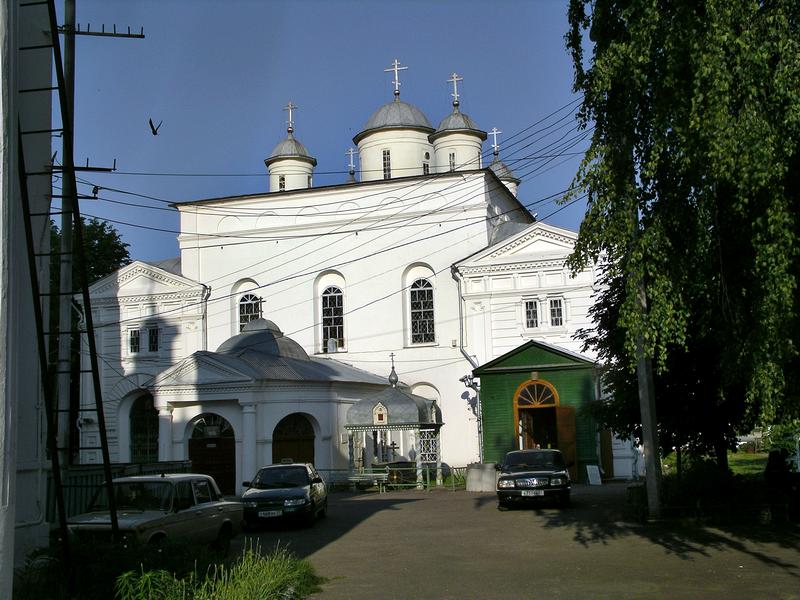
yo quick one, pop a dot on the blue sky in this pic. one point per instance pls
(218, 75)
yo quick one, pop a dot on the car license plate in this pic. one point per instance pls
(269, 513)
(533, 492)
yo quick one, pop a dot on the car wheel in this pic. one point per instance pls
(564, 500)
(503, 504)
(223, 542)
(324, 512)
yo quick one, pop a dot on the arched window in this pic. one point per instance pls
(144, 430)
(249, 309)
(332, 319)
(421, 298)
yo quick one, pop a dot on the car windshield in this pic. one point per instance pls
(517, 461)
(281, 477)
(135, 495)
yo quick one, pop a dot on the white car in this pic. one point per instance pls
(152, 509)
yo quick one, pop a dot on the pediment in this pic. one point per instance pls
(200, 369)
(538, 242)
(141, 279)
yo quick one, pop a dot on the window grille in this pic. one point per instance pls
(144, 430)
(428, 446)
(152, 339)
(531, 314)
(426, 168)
(249, 309)
(422, 327)
(556, 312)
(281, 183)
(332, 319)
(452, 161)
(387, 165)
(133, 341)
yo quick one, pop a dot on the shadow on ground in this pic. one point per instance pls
(598, 516)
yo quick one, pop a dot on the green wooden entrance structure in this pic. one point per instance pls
(536, 396)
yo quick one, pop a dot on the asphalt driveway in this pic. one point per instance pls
(446, 544)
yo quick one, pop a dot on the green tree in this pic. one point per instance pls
(693, 176)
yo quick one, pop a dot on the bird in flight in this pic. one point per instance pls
(154, 128)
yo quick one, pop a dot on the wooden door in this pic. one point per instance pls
(215, 456)
(293, 438)
(565, 424)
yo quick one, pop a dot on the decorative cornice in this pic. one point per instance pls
(537, 232)
(139, 268)
(194, 294)
(516, 266)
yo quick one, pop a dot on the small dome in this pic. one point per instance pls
(265, 337)
(458, 121)
(502, 171)
(395, 115)
(290, 148)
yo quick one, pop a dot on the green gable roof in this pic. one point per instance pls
(532, 356)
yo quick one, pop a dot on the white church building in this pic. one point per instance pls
(284, 307)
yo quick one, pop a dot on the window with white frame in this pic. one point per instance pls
(133, 341)
(556, 312)
(332, 319)
(452, 161)
(387, 165)
(531, 314)
(249, 309)
(422, 326)
(152, 339)
(281, 183)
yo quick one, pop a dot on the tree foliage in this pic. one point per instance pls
(693, 179)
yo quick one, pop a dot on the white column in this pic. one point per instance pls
(165, 434)
(248, 440)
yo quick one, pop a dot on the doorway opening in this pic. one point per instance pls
(293, 438)
(212, 450)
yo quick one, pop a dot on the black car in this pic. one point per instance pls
(293, 491)
(527, 475)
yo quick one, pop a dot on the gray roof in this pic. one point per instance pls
(502, 171)
(457, 121)
(395, 115)
(262, 352)
(171, 265)
(403, 408)
(290, 148)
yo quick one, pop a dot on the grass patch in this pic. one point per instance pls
(174, 571)
(277, 576)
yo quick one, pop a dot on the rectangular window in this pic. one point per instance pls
(133, 341)
(531, 314)
(281, 183)
(452, 161)
(332, 320)
(426, 168)
(387, 165)
(309, 181)
(556, 312)
(422, 326)
(152, 339)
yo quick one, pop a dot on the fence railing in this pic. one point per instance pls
(79, 482)
(394, 477)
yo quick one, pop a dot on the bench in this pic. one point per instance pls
(378, 478)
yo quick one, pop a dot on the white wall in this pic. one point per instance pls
(407, 147)
(372, 251)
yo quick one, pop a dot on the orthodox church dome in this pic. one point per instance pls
(265, 337)
(458, 121)
(502, 171)
(290, 148)
(395, 115)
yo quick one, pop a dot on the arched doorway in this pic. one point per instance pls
(293, 438)
(144, 430)
(542, 423)
(212, 450)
